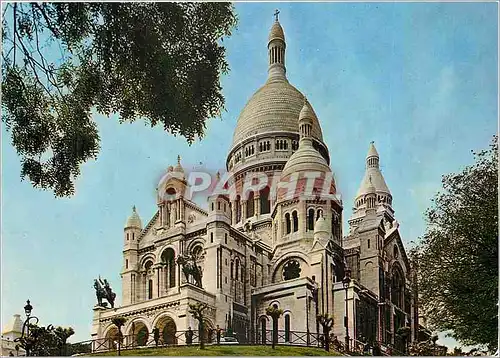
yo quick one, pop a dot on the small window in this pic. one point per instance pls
(211, 237)
(225, 279)
(287, 328)
(127, 236)
(225, 261)
(126, 263)
(133, 236)
(212, 206)
(225, 238)
(150, 289)
(218, 205)
(368, 243)
(224, 207)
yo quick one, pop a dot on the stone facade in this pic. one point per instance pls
(257, 249)
(10, 333)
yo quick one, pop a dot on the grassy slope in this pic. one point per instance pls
(227, 351)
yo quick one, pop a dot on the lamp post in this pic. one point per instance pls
(25, 338)
(346, 281)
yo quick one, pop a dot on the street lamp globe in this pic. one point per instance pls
(28, 308)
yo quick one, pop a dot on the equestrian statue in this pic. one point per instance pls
(189, 268)
(103, 290)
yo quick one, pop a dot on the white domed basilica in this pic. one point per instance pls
(281, 247)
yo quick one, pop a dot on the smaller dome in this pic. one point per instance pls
(321, 225)
(276, 32)
(306, 158)
(134, 221)
(306, 114)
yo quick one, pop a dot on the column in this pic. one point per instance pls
(256, 205)
(243, 210)
(173, 212)
(279, 223)
(181, 209)
(233, 212)
(302, 216)
(161, 215)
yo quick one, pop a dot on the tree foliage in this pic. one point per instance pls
(62, 61)
(46, 341)
(458, 255)
(275, 313)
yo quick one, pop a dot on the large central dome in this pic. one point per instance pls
(274, 107)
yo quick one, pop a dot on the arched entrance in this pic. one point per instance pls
(140, 333)
(168, 329)
(112, 338)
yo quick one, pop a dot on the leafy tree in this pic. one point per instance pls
(458, 255)
(62, 61)
(45, 341)
(63, 334)
(119, 322)
(326, 322)
(196, 310)
(275, 313)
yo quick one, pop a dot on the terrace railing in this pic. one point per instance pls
(289, 338)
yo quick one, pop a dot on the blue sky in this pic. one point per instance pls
(419, 79)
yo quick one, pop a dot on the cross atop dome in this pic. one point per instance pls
(276, 13)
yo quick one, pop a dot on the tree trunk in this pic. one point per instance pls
(327, 339)
(200, 330)
(275, 331)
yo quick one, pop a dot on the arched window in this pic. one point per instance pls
(265, 207)
(291, 270)
(287, 328)
(211, 237)
(287, 223)
(310, 219)
(250, 205)
(232, 268)
(150, 289)
(168, 259)
(237, 270)
(238, 209)
(295, 221)
(263, 329)
(319, 213)
(397, 286)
